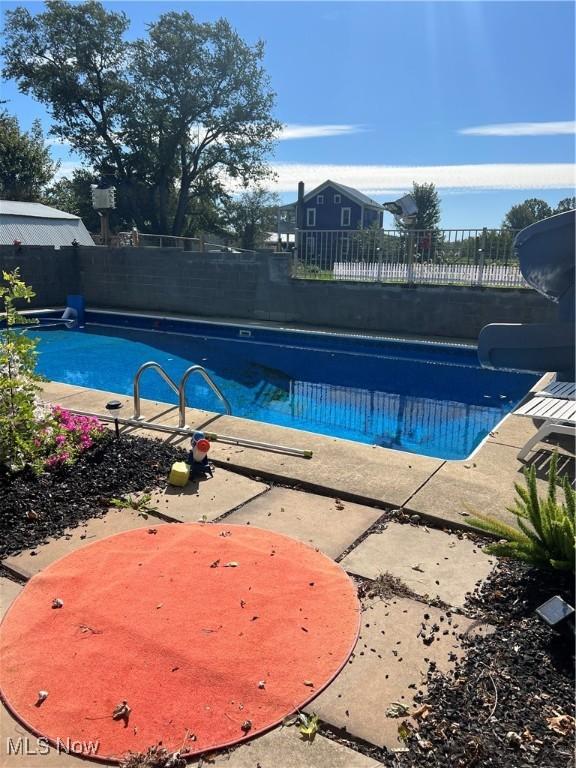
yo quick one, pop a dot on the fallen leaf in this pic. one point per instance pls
(310, 727)
(215, 564)
(309, 683)
(232, 564)
(422, 711)
(122, 711)
(404, 731)
(562, 724)
(289, 720)
(397, 710)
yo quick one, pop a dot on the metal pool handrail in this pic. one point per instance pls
(211, 383)
(158, 368)
(179, 389)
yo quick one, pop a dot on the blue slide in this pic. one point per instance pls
(546, 251)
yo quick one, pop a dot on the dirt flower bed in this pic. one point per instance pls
(34, 507)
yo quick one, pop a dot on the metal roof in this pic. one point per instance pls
(37, 210)
(37, 224)
(359, 197)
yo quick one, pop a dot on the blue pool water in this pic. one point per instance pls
(429, 399)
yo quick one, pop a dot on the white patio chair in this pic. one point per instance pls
(559, 417)
(564, 390)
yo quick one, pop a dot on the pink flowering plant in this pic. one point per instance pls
(65, 435)
(31, 433)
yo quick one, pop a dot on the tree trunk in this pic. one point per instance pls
(180, 215)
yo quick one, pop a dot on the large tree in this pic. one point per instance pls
(25, 163)
(566, 204)
(168, 116)
(526, 213)
(428, 202)
(252, 216)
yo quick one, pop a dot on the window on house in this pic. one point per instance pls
(320, 199)
(336, 198)
(345, 245)
(345, 217)
(311, 217)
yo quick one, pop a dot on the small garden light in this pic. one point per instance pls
(556, 613)
(114, 405)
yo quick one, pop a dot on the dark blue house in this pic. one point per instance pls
(325, 216)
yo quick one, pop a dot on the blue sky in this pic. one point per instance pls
(475, 97)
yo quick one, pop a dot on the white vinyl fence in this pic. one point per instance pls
(431, 274)
(429, 257)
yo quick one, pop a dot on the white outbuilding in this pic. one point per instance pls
(37, 224)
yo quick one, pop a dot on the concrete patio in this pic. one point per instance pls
(355, 484)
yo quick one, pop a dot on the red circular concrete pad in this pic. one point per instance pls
(200, 628)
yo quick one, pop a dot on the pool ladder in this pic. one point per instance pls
(138, 421)
(178, 389)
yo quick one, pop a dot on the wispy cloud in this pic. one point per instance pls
(67, 168)
(298, 131)
(382, 179)
(564, 127)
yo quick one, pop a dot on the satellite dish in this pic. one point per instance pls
(404, 208)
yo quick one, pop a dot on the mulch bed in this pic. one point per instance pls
(35, 508)
(494, 710)
(497, 706)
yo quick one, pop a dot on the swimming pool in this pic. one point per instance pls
(430, 399)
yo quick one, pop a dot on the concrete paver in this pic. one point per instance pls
(485, 482)
(206, 499)
(114, 521)
(388, 659)
(9, 590)
(284, 748)
(54, 391)
(428, 561)
(317, 520)
(514, 431)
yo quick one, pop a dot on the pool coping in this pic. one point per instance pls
(273, 325)
(357, 472)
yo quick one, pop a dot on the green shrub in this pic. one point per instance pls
(31, 433)
(20, 408)
(545, 533)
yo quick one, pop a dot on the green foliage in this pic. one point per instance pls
(428, 202)
(74, 195)
(25, 163)
(131, 502)
(545, 533)
(533, 210)
(167, 116)
(566, 204)
(308, 726)
(252, 216)
(526, 213)
(19, 408)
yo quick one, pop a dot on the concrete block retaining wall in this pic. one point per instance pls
(258, 286)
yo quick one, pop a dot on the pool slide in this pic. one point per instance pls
(546, 252)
